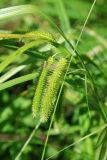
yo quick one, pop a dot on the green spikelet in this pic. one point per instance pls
(39, 89)
(40, 35)
(32, 36)
(51, 90)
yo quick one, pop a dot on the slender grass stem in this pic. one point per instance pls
(85, 23)
(44, 149)
(64, 19)
(78, 141)
(43, 154)
(27, 142)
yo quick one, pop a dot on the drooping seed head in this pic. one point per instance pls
(39, 89)
(51, 89)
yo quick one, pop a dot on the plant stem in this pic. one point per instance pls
(78, 141)
(74, 49)
(28, 140)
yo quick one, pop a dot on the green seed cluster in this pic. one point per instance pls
(39, 88)
(51, 90)
(42, 35)
(32, 35)
(47, 89)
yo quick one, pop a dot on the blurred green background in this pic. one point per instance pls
(16, 122)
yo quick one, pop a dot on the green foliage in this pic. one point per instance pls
(30, 33)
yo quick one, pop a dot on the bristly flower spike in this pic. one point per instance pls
(51, 89)
(39, 89)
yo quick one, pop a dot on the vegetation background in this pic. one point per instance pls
(79, 114)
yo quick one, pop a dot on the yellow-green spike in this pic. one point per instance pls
(51, 90)
(39, 89)
(31, 36)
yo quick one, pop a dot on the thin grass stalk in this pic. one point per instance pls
(27, 142)
(44, 149)
(78, 141)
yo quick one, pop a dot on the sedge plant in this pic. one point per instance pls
(54, 73)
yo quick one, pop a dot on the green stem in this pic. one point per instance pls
(78, 141)
(27, 142)
(64, 20)
(74, 49)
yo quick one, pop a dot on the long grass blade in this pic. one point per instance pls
(65, 24)
(78, 141)
(11, 72)
(18, 80)
(17, 53)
